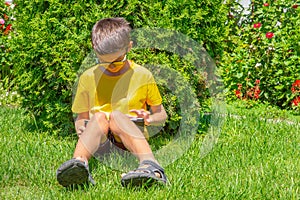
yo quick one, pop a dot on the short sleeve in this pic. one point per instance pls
(153, 96)
(81, 99)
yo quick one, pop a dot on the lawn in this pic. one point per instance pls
(254, 158)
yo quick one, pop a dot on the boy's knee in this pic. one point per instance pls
(115, 115)
(116, 121)
(100, 116)
(101, 120)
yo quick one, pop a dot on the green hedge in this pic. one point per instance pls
(53, 38)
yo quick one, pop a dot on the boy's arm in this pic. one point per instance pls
(157, 116)
(80, 122)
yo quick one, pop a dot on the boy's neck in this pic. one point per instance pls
(122, 71)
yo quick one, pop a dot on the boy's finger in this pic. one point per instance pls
(144, 114)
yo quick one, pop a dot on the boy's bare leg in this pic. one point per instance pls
(74, 172)
(131, 136)
(95, 132)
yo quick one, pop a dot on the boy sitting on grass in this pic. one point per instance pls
(109, 96)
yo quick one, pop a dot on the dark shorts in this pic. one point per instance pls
(111, 145)
(116, 157)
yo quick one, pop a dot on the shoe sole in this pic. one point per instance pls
(74, 174)
(140, 181)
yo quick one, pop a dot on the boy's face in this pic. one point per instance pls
(114, 62)
(114, 57)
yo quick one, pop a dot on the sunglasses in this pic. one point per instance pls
(114, 62)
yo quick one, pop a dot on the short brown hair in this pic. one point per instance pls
(110, 35)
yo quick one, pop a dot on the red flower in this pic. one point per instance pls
(256, 89)
(256, 94)
(257, 25)
(238, 94)
(5, 17)
(8, 4)
(295, 6)
(8, 28)
(266, 4)
(296, 83)
(296, 101)
(296, 86)
(249, 93)
(269, 35)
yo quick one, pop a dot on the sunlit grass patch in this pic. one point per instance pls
(253, 159)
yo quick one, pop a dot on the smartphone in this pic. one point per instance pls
(139, 122)
(137, 119)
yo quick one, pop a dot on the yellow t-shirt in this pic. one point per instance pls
(135, 89)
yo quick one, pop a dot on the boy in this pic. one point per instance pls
(109, 96)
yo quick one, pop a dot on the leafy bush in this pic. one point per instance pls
(6, 33)
(264, 46)
(54, 38)
(49, 45)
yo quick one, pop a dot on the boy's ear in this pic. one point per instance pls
(129, 46)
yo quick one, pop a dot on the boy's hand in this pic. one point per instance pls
(80, 126)
(143, 114)
(80, 122)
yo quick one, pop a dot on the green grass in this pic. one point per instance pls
(253, 159)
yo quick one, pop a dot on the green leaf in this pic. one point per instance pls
(279, 87)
